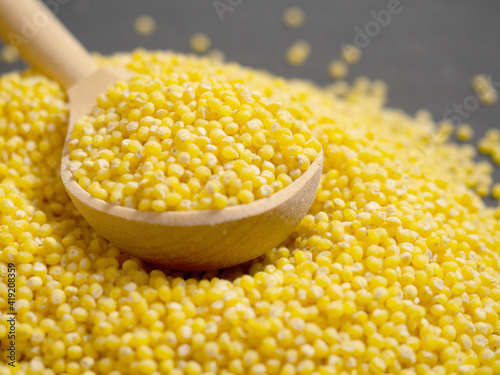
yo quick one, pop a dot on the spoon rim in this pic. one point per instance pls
(189, 218)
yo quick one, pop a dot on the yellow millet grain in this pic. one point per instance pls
(464, 132)
(495, 192)
(350, 54)
(183, 142)
(484, 89)
(395, 270)
(200, 42)
(298, 53)
(144, 25)
(9, 54)
(293, 17)
(489, 144)
(217, 55)
(338, 69)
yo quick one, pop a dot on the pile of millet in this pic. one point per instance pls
(183, 142)
(395, 269)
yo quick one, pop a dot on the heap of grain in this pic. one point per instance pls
(394, 270)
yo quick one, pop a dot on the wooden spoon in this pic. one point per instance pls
(188, 240)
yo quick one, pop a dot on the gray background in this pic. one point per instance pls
(427, 53)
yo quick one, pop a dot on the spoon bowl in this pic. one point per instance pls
(189, 240)
(186, 240)
(200, 240)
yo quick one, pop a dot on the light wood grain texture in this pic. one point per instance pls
(44, 42)
(190, 240)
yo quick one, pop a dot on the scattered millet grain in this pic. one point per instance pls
(144, 25)
(395, 270)
(464, 132)
(217, 55)
(298, 53)
(484, 89)
(480, 82)
(293, 17)
(490, 144)
(338, 69)
(9, 54)
(350, 54)
(200, 43)
(495, 192)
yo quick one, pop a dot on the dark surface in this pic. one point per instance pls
(427, 52)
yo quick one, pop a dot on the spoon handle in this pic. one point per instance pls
(44, 41)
